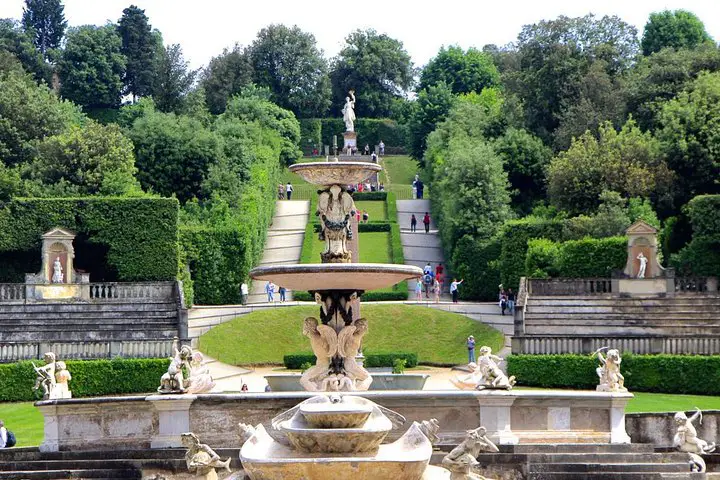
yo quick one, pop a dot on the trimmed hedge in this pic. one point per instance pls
(476, 263)
(514, 237)
(89, 378)
(375, 196)
(294, 361)
(643, 373)
(125, 239)
(589, 257)
(369, 130)
(311, 135)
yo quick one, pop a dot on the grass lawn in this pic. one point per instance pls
(376, 209)
(374, 248)
(263, 337)
(25, 421)
(663, 402)
(401, 169)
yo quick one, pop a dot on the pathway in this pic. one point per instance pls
(284, 241)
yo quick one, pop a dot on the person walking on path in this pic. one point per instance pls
(436, 289)
(243, 293)
(420, 187)
(289, 190)
(418, 290)
(471, 349)
(426, 221)
(439, 274)
(382, 148)
(270, 289)
(282, 292)
(281, 192)
(454, 289)
(502, 298)
(413, 223)
(511, 301)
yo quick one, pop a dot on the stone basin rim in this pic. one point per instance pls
(323, 408)
(335, 173)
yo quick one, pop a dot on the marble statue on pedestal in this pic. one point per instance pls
(62, 377)
(643, 265)
(199, 379)
(348, 111)
(53, 378)
(57, 276)
(611, 380)
(485, 373)
(461, 460)
(201, 459)
(686, 440)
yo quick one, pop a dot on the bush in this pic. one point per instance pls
(542, 258)
(704, 214)
(399, 365)
(643, 373)
(514, 238)
(310, 135)
(592, 257)
(296, 360)
(89, 378)
(476, 262)
(375, 196)
(702, 255)
(136, 239)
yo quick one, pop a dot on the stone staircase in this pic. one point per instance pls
(284, 242)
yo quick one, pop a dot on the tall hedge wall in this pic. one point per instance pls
(702, 255)
(514, 238)
(589, 257)
(128, 239)
(475, 263)
(369, 130)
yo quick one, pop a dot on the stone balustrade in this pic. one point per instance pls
(16, 351)
(12, 292)
(96, 292)
(569, 286)
(640, 345)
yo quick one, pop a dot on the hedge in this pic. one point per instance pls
(643, 373)
(89, 378)
(294, 361)
(589, 257)
(118, 239)
(311, 135)
(316, 132)
(476, 263)
(375, 196)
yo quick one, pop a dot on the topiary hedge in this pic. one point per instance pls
(476, 263)
(643, 373)
(294, 361)
(89, 378)
(125, 239)
(375, 196)
(369, 131)
(589, 257)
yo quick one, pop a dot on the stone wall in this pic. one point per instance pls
(659, 428)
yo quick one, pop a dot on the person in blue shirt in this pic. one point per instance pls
(471, 349)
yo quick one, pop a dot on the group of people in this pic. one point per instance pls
(285, 191)
(366, 187)
(426, 222)
(270, 291)
(506, 300)
(433, 281)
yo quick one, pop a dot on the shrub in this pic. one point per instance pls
(704, 214)
(542, 258)
(476, 262)
(702, 255)
(375, 196)
(369, 130)
(592, 257)
(306, 366)
(89, 378)
(514, 238)
(399, 365)
(310, 135)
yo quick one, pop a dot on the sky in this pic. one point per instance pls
(204, 27)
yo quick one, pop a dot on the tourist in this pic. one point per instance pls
(414, 186)
(365, 216)
(413, 223)
(502, 298)
(289, 190)
(428, 281)
(426, 222)
(382, 187)
(420, 188)
(267, 388)
(439, 273)
(427, 269)
(243, 293)
(382, 148)
(471, 349)
(368, 187)
(358, 215)
(373, 157)
(511, 301)
(436, 290)
(281, 192)
(244, 387)
(366, 150)
(454, 289)
(7, 438)
(418, 290)
(270, 289)
(282, 291)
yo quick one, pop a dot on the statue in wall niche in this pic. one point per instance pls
(611, 380)
(348, 111)
(485, 374)
(643, 265)
(461, 460)
(324, 343)
(200, 458)
(199, 380)
(335, 209)
(57, 276)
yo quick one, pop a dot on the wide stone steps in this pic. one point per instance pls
(55, 308)
(582, 330)
(74, 473)
(690, 301)
(627, 475)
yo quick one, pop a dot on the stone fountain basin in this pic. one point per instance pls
(290, 382)
(336, 440)
(336, 415)
(336, 276)
(335, 173)
(263, 458)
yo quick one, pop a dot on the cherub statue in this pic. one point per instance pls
(199, 380)
(324, 343)
(485, 373)
(686, 439)
(461, 460)
(46, 375)
(349, 342)
(62, 377)
(200, 458)
(173, 380)
(611, 380)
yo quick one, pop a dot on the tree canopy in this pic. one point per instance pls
(676, 29)
(226, 75)
(45, 21)
(463, 72)
(140, 48)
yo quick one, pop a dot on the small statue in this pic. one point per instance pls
(430, 428)
(486, 374)
(173, 380)
(46, 376)
(686, 439)
(611, 380)
(323, 341)
(461, 460)
(62, 377)
(246, 432)
(349, 342)
(201, 459)
(348, 111)
(200, 380)
(335, 209)
(643, 265)
(57, 276)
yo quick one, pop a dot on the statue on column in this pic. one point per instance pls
(57, 276)
(349, 112)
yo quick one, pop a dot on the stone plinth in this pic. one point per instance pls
(517, 416)
(350, 140)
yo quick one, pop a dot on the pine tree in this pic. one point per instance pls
(45, 20)
(141, 48)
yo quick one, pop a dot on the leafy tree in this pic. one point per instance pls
(377, 67)
(45, 20)
(29, 112)
(690, 137)
(91, 67)
(287, 61)
(628, 162)
(173, 79)
(92, 159)
(430, 108)
(463, 72)
(226, 75)
(173, 153)
(19, 43)
(677, 29)
(140, 47)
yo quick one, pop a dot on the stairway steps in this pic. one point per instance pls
(130, 473)
(607, 467)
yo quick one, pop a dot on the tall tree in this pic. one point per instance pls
(463, 72)
(677, 29)
(91, 66)
(288, 62)
(45, 20)
(377, 67)
(431, 107)
(173, 79)
(226, 75)
(20, 43)
(140, 47)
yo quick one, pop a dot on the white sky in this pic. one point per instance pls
(205, 27)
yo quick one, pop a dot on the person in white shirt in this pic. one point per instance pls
(288, 190)
(3, 434)
(243, 293)
(454, 289)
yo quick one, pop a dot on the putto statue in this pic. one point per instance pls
(57, 276)
(53, 378)
(348, 111)
(201, 459)
(323, 341)
(461, 460)
(335, 209)
(486, 374)
(185, 360)
(686, 440)
(611, 380)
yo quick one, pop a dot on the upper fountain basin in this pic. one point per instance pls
(349, 415)
(336, 276)
(335, 173)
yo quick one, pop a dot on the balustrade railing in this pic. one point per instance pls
(130, 291)
(12, 292)
(696, 285)
(15, 351)
(569, 286)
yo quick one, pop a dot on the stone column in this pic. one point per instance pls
(618, 434)
(51, 442)
(173, 419)
(495, 416)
